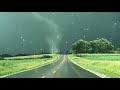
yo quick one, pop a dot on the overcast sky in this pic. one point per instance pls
(29, 32)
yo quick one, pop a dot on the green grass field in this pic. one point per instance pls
(107, 64)
(113, 57)
(16, 64)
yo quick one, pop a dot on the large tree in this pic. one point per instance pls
(95, 46)
(81, 46)
(101, 46)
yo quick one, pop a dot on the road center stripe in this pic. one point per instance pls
(53, 71)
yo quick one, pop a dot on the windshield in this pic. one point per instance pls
(58, 42)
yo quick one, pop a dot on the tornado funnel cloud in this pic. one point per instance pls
(55, 38)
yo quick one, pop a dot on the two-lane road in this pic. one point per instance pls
(63, 68)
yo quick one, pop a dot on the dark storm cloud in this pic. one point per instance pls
(27, 32)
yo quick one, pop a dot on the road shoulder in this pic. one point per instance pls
(94, 72)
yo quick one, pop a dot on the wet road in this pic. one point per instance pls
(63, 68)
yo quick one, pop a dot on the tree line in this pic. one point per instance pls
(95, 46)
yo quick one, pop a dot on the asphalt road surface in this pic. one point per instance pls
(63, 68)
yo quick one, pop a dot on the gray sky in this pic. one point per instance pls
(29, 32)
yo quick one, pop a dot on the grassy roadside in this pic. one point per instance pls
(16, 65)
(109, 67)
(111, 57)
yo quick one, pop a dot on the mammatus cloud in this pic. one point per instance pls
(55, 37)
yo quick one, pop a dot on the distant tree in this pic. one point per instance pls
(6, 55)
(118, 50)
(81, 46)
(95, 46)
(22, 55)
(101, 46)
(88, 47)
(69, 52)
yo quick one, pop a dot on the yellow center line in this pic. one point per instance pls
(59, 65)
(54, 70)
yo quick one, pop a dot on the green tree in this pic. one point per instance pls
(95, 46)
(118, 50)
(101, 46)
(81, 46)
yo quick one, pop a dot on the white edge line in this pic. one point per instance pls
(28, 69)
(94, 72)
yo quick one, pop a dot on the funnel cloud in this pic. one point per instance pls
(55, 38)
